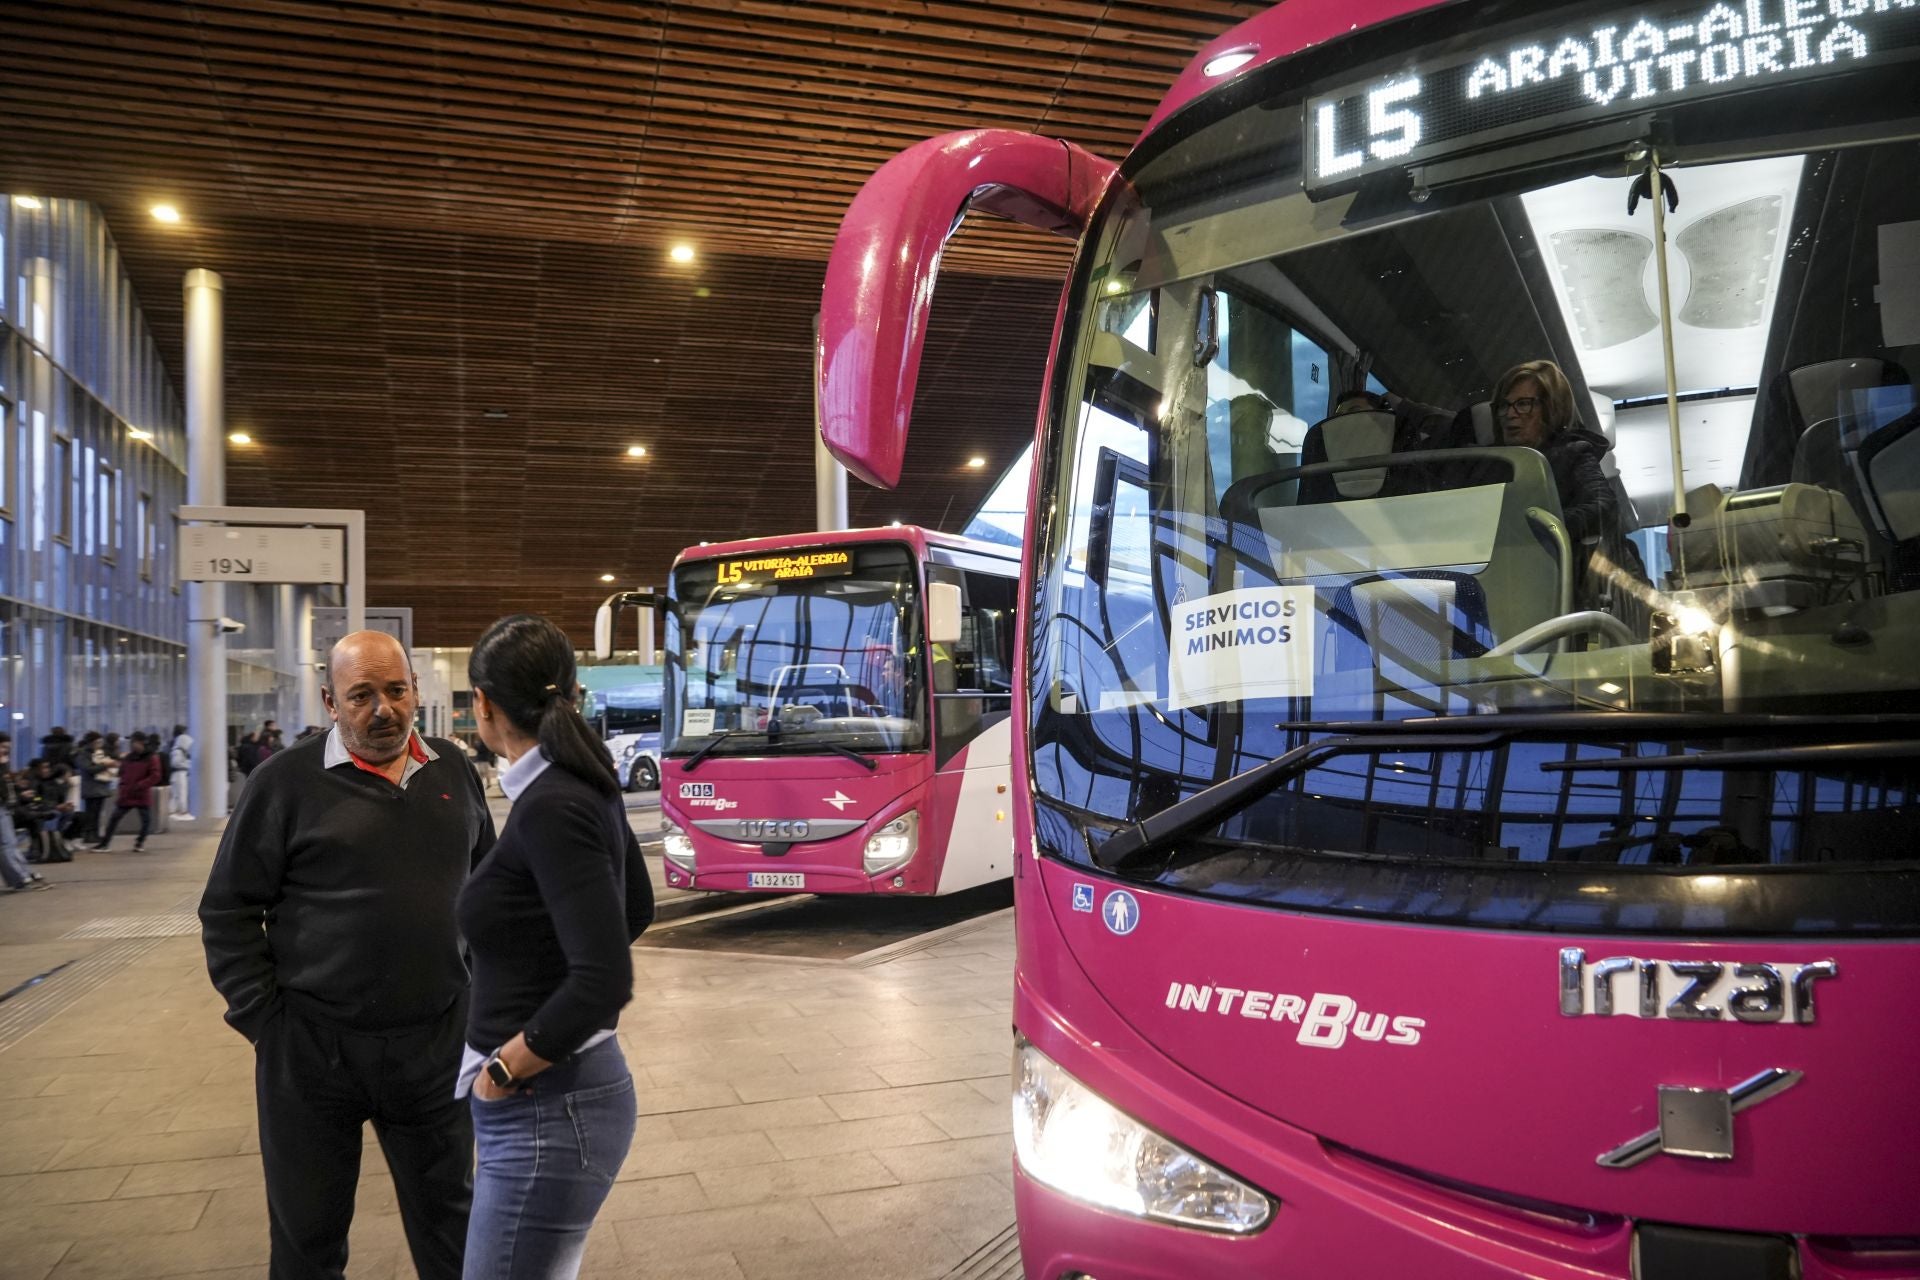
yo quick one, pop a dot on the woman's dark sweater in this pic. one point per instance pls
(549, 915)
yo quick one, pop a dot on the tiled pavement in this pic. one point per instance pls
(797, 1119)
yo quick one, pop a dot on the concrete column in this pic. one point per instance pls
(829, 477)
(206, 486)
(286, 658)
(312, 709)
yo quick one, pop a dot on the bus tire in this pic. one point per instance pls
(644, 776)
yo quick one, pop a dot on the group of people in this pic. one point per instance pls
(394, 960)
(61, 798)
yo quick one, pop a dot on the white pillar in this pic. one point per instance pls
(207, 487)
(829, 477)
(312, 709)
(286, 658)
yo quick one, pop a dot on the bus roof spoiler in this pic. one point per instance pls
(879, 285)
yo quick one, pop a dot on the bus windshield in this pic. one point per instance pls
(797, 665)
(1382, 458)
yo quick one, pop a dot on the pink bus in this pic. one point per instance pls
(1465, 796)
(838, 714)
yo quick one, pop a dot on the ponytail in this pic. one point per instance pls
(524, 664)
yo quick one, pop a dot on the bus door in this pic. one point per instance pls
(972, 680)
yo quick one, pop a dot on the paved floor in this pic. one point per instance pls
(798, 1119)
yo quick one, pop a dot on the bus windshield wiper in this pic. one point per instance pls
(1448, 733)
(1804, 755)
(693, 761)
(866, 762)
(1223, 799)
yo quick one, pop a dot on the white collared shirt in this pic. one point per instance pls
(519, 775)
(337, 755)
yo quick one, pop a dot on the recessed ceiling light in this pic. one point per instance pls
(239, 437)
(165, 213)
(606, 577)
(976, 462)
(705, 543)
(135, 433)
(896, 524)
(682, 253)
(636, 451)
(1227, 63)
(494, 415)
(27, 202)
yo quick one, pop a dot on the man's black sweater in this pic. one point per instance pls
(334, 890)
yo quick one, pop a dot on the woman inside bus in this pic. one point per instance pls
(1533, 403)
(549, 914)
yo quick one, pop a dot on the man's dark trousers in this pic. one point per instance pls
(316, 1085)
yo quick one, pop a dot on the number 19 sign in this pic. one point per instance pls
(226, 553)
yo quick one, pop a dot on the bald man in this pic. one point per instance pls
(328, 925)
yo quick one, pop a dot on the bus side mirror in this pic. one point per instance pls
(879, 287)
(943, 613)
(603, 630)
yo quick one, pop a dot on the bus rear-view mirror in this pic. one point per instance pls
(943, 613)
(603, 631)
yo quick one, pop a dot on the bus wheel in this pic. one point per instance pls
(645, 776)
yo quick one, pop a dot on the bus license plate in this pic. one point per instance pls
(776, 880)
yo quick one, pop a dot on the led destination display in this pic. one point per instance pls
(1624, 61)
(786, 567)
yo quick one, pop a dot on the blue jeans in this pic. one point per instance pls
(13, 868)
(547, 1159)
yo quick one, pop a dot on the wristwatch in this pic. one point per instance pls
(498, 1073)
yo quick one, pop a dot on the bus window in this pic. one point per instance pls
(973, 678)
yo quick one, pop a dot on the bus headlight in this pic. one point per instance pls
(679, 847)
(1069, 1138)
(892, 845)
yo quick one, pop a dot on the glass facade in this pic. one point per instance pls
(92, 471)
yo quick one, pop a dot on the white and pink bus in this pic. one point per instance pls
(838, 713)
(1467, 824)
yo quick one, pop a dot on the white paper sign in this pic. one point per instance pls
(1252, 643)
(698, 722)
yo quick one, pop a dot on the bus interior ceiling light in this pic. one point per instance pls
(165, 213)
(1069, 1138)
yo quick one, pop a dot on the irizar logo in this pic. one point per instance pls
(1689, 990)
(1325, 1020)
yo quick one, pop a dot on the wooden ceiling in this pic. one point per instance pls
(443, 227)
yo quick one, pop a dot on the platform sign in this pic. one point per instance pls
(330, 625)
(260, 553)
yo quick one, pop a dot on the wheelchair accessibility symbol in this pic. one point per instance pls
(1083, 898)
(1121, 912)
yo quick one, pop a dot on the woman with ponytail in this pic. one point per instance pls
(549, 915)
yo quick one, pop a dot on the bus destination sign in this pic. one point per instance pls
(784, 568)
(1628, 60)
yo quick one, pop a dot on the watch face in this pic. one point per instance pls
(498, 1073)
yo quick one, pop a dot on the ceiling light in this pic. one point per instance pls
(636, 451)
(681, 253)
(494, 415)
(27, 202)
(606, 577)
(1116, 286)
(239, 437)
(976, 462)
(705, 543)
(1227, 63)
(165, 213)
(896, 524)
(135, 433)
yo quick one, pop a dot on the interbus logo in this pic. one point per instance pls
(1325, 1020)
(1690, 990)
